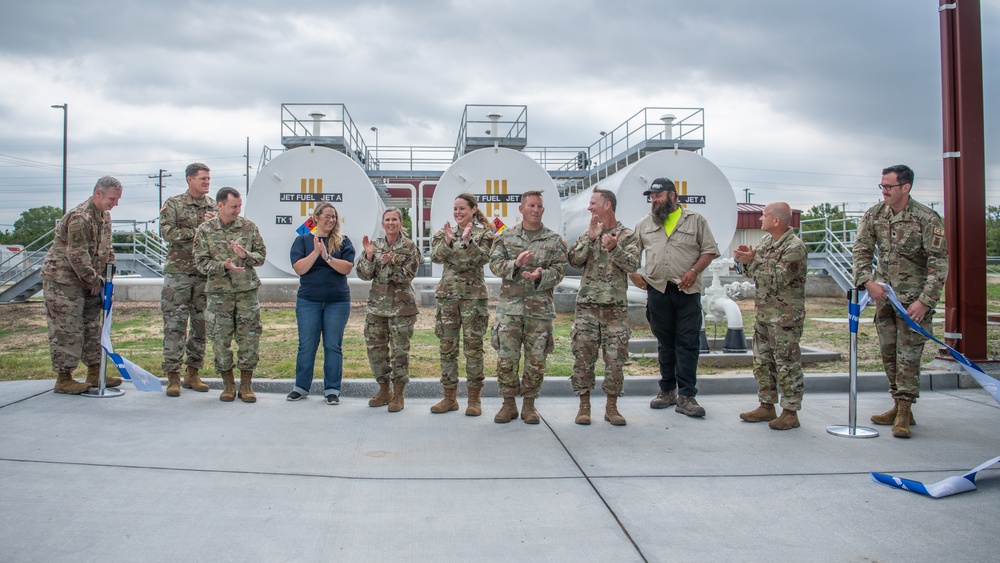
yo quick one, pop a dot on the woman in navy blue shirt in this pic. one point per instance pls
(322, 260)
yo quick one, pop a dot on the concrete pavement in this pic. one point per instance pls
(144, 477)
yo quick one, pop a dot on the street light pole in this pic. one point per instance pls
(65, 108)
(375, 129)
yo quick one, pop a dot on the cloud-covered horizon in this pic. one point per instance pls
(804, 102)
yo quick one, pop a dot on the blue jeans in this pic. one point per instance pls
(315, 319)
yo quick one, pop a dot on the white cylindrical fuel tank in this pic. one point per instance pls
(497, 177)
(701, 187)
(287, 190)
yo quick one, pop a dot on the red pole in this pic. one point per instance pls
(964, 175)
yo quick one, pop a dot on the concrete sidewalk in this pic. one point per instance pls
(144, 477)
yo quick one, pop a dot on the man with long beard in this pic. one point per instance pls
(678, 246)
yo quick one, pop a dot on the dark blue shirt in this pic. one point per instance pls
(322, 284)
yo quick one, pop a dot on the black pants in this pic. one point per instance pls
(675, 319)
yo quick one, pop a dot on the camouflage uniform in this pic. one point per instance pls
(462, 303)
(913, 259)
(526, 308)
(778, 269)
(76, 263)
(601, 321)
(233, 309)
(392, 307)
(183, 298)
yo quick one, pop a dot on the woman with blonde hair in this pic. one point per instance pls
(322, 259)
(461, 300)
(390, 263)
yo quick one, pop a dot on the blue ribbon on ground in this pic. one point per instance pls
(142, 379)
(951, 485)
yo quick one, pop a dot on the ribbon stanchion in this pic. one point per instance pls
(852, 430)
(102, 391)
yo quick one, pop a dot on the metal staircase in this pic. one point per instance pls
(143, 255)
(832, 252)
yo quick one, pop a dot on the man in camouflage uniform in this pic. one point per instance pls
(390, 263)
(183, 299)
(607, 253)
(531, 260)
(72, 281)
(227, 248)
(778, 267)
(913, 260)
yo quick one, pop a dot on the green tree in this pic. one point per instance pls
(34, 223)
(407, 223)
(822, 217)
(992, 230)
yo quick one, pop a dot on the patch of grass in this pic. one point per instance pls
(137, 335)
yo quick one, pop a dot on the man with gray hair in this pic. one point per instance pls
(72, 280)
(183, 299)
(778, 267)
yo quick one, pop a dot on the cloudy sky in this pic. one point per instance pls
(805, 101)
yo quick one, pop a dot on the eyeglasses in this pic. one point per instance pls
(886, 187)
(328, 217)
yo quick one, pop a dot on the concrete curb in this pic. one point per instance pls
(634, 386)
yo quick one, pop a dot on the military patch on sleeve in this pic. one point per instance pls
(937, 242)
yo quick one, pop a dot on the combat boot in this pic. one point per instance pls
(193, 381)
(94, 377)
(246, 387)
(528, 412)
(174, 384)
(583, 415)
(611, 413)
(475, 407)
(381, 398)
(508, 411)
(763, 413)
(228, 386)
(789, 419)
(901, 426)
(889, 416)
(397, 401)
(66, 384)
(448, 403)
(664, 399)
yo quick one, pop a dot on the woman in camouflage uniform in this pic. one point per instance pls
(461, 300)
(390, 263)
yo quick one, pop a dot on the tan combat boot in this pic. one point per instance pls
(448, 403)
(173, 384)
(66, 384)
(193, 381)
(94, 376)
(381, 398)
(475, 407)
(397, 401)
(789, 419)
(764, 413)
(611, 413)
(901, 426)
(508, 411)
(246, 387)
(583, 415)
(889, 416)
(528, 412)
(228, 386)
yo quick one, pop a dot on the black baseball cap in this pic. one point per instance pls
(660, 185)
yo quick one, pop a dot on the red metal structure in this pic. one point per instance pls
(964, 176)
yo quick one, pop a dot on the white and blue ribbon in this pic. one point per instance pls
(142, 379)
(951, 485)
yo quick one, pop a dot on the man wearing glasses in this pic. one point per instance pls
(913, 259)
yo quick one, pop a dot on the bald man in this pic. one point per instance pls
(778, 269)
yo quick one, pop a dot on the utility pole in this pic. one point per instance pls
(159, 189)
(748, 194)
(247, 155)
